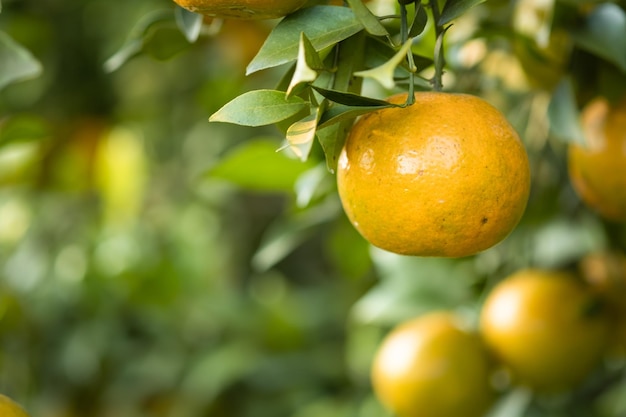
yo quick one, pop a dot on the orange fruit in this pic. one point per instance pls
(242, 9)
(598, 170)
(546, 327)
(446, 176)
(9, 408)
(431, 367)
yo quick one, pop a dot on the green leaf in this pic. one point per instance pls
(350, 99)
(287, 233)
(419, 21)
(369, 21)
(257, 165)
(258, 108)
(456, 8)
(189, 23)
(135, 40)
(513, 404)
(410, 286)
(332, 137)
(24, 128)
(308, 185)
(563, 114)
(323, 25)
(308, 62)
(339, 113)
(301, 134)
(16, 62)
(384, 74)
(604, 34)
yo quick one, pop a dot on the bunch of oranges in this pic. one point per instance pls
(546, 330)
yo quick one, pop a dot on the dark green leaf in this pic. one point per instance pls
(350, 99)
(604, 34)
(323, 25)
(563, 114)
(258, 108)
(456, 8)
(272, 171)
(189, 23)
(369, 21)
(16, 62)
(419, 21)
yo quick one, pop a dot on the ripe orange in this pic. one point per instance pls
(598, 170)
(242, 9)
(430, 367)
(9, 408)
(446, 176)
(547, 327)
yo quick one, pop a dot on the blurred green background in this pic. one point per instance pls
(155, 264)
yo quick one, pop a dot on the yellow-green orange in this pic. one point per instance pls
(446, 176)
(9, 408)
(547, 327)
(242, 9)
(598, 169)
(430, 367)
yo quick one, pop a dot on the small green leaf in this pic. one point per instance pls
(323, 25)
(256, 165)
(135, 39)
(308, 62)
(369, 21)
(563, 114)
(384, 74)
(604, 34)
(189, 23)
(456, 8)
(258, 108)
(16, 62)
(301, 134)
